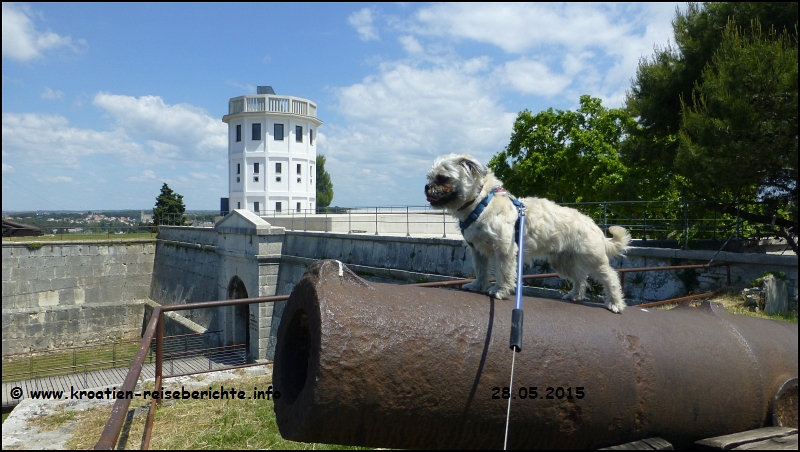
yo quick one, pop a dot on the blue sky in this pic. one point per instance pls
(103, 102)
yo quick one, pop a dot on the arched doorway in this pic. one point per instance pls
(238, 329)
(236, 289)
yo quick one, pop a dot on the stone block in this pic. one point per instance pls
(28, 262)
(9, 262)
(776, 295)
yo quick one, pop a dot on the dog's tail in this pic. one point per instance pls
(619, 243)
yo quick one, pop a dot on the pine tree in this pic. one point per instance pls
(169, 208)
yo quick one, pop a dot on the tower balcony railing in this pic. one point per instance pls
(263, 103)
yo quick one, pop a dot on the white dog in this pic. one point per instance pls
(573, 244)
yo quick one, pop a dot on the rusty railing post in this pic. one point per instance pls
(159, 350)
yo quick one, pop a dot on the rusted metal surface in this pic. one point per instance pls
(622, 271)
(411, 367)
(151, 416)
(108, 439)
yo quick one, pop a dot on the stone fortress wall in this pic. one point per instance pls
(66, 293)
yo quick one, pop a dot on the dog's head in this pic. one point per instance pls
(453, 180)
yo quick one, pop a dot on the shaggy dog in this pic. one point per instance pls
(573, 244)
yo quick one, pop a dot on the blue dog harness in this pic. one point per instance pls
(484, 204)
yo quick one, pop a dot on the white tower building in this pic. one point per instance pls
(272, 153)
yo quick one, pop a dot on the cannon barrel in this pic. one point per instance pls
(396, 366)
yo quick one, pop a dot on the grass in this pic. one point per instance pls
(82, 237)
(55, 420)
(48, 364)
(198, 424)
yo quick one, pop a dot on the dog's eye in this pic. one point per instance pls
(441, 179)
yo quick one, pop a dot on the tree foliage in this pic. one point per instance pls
(567, 156)
(324, 185)
(169, 207)
(739, 132)
(671, 73)
(717, 111)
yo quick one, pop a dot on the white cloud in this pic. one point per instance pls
(533, 77)
(49, 93)
(410, 44)
(401, 119)
(8, 168)
(520, 27)
(362, 21)
(53, 179)
(175, 132)
(205, 176)
(49, 140)
(564, 48)
(147, 176)
(21, 40)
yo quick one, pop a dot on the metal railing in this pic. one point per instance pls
(89, 232)
(67, 360)
(155, 328)
(268, 103)
(155, 331)
(680, 223)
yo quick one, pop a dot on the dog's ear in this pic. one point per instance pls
(474, 167)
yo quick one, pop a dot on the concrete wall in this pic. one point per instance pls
(196, 265)
(414, 259)
(67, 292)
(70, 293)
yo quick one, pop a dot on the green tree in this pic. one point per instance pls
(691, 101)
(669, 76)
(739, 132)
(324, 185)
(169, 207)
(567, 156)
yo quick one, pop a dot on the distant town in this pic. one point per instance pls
(75, 221)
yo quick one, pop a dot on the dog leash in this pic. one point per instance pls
(515, 343)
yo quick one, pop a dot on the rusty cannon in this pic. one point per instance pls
(383, 365)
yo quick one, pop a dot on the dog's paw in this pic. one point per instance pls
(572, 297)
(474, 286)
(499, 292)
(615, 308)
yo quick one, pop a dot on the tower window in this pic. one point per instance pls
(278, 132)
(255, 168)
(238, 168)
(255, 207)
(299, 167)
(238, 205)
(298, 133)
(277, 207)
(311, 136)
(238, 132)
(256, 131)
(278, 168)
(298, 207)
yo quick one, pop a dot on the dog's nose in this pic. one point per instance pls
(427, 187)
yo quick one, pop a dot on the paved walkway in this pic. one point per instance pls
(102, 378)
